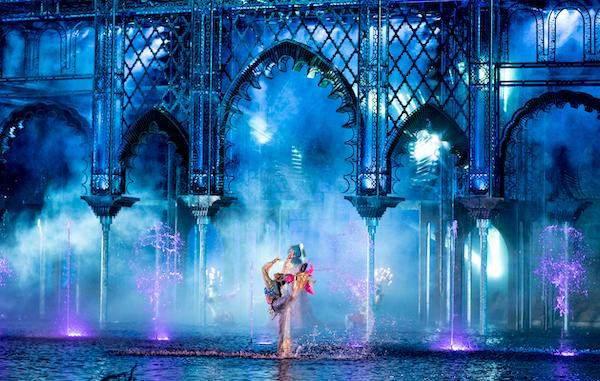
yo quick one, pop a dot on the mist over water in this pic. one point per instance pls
(288, 165)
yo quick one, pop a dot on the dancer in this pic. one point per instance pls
(280, 297)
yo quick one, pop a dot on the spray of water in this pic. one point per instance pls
(154, 279)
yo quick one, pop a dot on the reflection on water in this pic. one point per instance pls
(232, 357)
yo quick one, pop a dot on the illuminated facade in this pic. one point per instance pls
(475, 77)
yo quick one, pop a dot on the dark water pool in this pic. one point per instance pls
(233, 357)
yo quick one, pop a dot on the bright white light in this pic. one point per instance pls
(259, 129)
(496, 261)
(75, 333)
(482, 74)
(568, 25)
(427, 146)
(495, 265)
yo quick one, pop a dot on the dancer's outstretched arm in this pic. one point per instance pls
(265, 272)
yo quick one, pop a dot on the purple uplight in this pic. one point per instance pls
(562, 264)
(74, 332)
(455, 341)
(160, 334)
(457, 344)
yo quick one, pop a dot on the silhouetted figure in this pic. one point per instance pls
(562, 176)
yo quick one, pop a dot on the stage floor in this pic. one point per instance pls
(231, 356)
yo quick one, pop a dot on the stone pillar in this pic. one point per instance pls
(483, 225)
(106, 208)
(469, 276)
(480, 208)
(371, 209)
(372, 229)
(203, 208)
(105, 221)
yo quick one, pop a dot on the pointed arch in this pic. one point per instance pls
(276, 57)
(16, 122)
(530, 109)
(157, 121)
(436, 121)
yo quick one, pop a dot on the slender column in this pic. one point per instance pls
(106, 208)
(77, 284)
(469, 275)
(42, 265)
(203, 208)
(449, 277)
(421, 267)
(480, 208)
(483, 225)
(451, 273)
(156, 276)
(69, 271)
(371, 209)
(428, 274)
(372, 229)
(566, 258)
(105, 221)
(202, 221)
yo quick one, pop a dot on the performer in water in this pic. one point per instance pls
(279, 296)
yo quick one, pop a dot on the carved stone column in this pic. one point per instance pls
(480, 208)
(203, 208)
(371, 209)
(106, 208)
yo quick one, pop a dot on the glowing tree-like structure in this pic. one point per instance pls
(165, 244)
(562, 265)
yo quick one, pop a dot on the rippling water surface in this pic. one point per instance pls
(231, 356)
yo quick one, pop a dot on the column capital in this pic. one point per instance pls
(373, 207)
(204, 207)
(107, 207)
(480, 207)
(566, 210)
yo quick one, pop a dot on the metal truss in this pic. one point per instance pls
(156, 65)
(183, 57)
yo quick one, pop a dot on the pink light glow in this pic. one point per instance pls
(75, 332)
(562, 264)
(454, 343)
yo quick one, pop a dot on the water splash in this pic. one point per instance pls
(155, 278)
(562, 265)
(455, 341)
